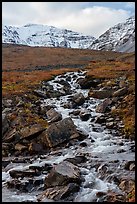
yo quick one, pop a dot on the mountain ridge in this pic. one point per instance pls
(120, 38)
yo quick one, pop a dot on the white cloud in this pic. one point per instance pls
(70, 15)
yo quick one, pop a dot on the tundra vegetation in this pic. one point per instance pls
(24, 68)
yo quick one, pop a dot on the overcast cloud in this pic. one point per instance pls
(92, 18)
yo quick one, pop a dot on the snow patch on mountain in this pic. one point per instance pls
(120, 38)
(43, 35)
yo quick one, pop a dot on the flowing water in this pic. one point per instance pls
(104, 151)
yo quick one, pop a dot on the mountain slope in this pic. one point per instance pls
(42, 35)
(120, 38)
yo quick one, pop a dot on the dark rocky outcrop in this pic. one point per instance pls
(102, 107)
(62, 174)
(120, 92)
(59, 132)
(53, 116)
(88, 82)
(100, 94)
(79, 99)
(5, 123)
(58, 193)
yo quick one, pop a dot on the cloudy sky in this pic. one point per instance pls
(92, 18)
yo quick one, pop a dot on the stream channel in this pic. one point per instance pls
(101, 147)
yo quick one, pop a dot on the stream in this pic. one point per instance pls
(106, 151)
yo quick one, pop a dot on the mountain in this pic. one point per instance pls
(119, 38)
(43, 35)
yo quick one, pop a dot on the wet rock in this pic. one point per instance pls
(59, 192)
(97, 129)
(100, 194)
(114, 197)
(6, 110)
(35, 148)
(5, 163)
(62, 174)
(77, 159)
(110, 125)
(120, 92)
(85, 115)
(79, 99)
(31, 132)
(102, 107)
(5, 123)
(130, 165)
(11, 136)
(121, 150)
(83, 144)
(126, 185)
(40, 93)
(45, 108)
(41, 167)
(23, 173)
(100, 94)
(20, 147)
(22, 186)
(53, 116)
(68, 105)
(7, 103)
(100, 119)
(63, 82)
(75, 112)
(88, 82)
(7, 148)
(59, 132)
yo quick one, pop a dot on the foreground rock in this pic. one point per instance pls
(88, 82)
(53, 116)
(59, 192)
(62, 174)
(78, 99)
(102, 107)
(59, 132)
(100, 94)
(5, 124)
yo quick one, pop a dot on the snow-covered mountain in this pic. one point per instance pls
(120, 38)
(43, 35)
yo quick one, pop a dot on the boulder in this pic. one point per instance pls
(101, 108)
(130, 165)
(62, 174)
(77, 159)
(126, 185)
(31, 132)
(11, 136)
(100, 119)
(100, 94)
(85, 115)
(35, 147)
(59, 132)
(79, 99)
(15, 173)
(5, 123)
(59, 192)
(120, 92)
(20, 147)
(53, 115)
(88, 82)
